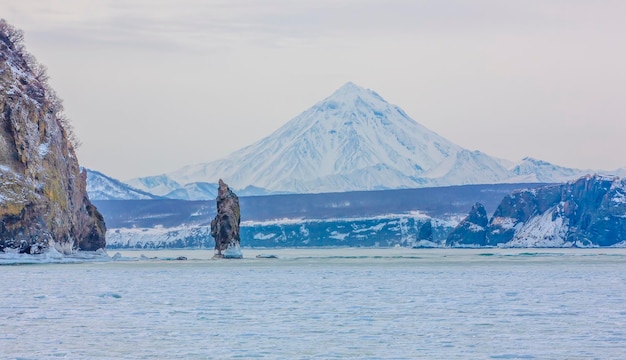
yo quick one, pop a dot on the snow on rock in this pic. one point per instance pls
(618, 198)
(159, 237)
(504, 222)
(262, 236)
(338, 236)
(587, 212)
(388, 230)
(545, 230)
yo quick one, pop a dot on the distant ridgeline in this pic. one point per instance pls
(587, 212)
(409, 217)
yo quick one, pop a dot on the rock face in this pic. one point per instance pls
(519, 208)
(225, 225)
(471, 230)
(590, 211)
(426, 231)
(43, 198)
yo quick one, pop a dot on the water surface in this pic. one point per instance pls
(321, 304)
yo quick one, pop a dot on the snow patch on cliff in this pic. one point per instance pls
(157, 237)
(545, 230)
(618, 198)
(505, 223)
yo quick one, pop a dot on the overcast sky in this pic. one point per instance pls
(152, 85)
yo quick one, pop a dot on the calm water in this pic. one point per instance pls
(321, 304)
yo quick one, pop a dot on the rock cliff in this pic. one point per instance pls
(471, 230)
(225, 225)
(43, 198)
(587, 212)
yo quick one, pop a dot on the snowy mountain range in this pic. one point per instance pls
(352, 140)
(102, 187)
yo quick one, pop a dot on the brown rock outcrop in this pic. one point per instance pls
(225, 225)
(43, 198)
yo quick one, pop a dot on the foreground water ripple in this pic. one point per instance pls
(376, 304)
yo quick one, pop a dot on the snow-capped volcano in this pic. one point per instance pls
(352, 140)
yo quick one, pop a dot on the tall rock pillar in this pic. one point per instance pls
(225, 225)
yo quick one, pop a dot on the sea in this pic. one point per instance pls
(335, 303)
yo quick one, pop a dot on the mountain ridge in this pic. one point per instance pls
(103, 187)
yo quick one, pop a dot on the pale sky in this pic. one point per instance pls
(153, 85)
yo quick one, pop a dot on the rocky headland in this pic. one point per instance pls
(587, 212)
(43, 198)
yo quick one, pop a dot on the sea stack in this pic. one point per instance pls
(225, 225)
(43, 197)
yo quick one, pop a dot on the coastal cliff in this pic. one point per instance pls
(471, 230)
(43, 198)
(587, 212)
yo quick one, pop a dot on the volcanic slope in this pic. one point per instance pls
(352, 140)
